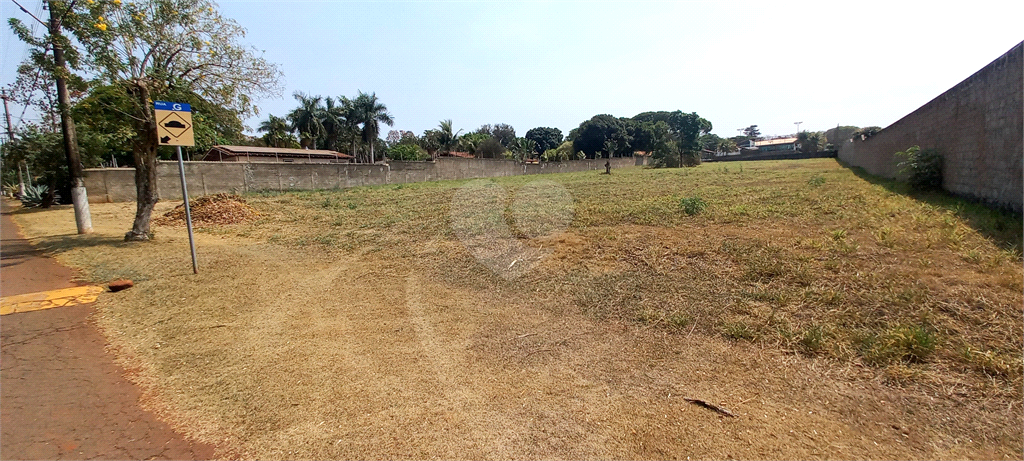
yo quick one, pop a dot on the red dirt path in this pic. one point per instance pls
(61, 394)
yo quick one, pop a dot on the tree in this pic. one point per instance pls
(307, 119)
(40, 148)
(334, 119)
(727, 146)
(505, 134)
(687, 129)
(522, 149)
(546, 138)
(591, 136)
(752, 132)
(811, 141)
(370, 113)
(840, 134)
(64, 54)
(489, 147)
(277, 132)
(445, 137)
(147, 48)
(562, 153)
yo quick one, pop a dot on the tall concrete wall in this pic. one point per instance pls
(977, 126)
(118, 184)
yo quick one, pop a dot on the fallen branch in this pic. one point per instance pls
(710, 406)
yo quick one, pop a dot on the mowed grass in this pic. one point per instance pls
(807, 256)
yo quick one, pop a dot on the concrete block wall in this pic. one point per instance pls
(977, 126)
(204, 178)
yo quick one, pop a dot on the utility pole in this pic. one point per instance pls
(10, 136)
(67, 125)
(797, 127)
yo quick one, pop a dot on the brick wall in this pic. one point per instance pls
(977, 126)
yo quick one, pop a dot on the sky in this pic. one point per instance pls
(557, 64)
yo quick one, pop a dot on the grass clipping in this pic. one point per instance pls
(211, 209)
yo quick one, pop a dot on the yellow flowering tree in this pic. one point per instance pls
(151, 49)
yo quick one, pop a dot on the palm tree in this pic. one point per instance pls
(276, 129)
(307, 119)
(371, 113)
(334, 120)
(446, 137)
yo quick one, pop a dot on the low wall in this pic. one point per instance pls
(978, 128)
(204, 178)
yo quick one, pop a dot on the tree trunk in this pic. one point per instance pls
(144, 153)
(83, 221)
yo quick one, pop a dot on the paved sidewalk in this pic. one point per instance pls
(61, 394)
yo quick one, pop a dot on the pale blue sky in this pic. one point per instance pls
(557, 64)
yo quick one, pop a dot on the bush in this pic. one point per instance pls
(407, 152)
(692, 205)
(922, 169)
(38, 196)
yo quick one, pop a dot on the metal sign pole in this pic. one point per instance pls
(188, 212)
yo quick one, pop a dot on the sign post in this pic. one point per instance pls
(174, 128)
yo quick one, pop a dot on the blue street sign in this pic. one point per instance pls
(172, 106)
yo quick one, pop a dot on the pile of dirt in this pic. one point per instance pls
(211, 209)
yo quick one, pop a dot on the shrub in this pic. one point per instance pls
(407, 152)
(922, 169)
(37, 196)
(692, 205)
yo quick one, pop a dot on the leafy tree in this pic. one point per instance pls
(407, 152)
(505, 134)
(64, 59)
(277, 133)
(591, 136)
(727, 145)
(523, 148)
(41, 148)
(710, 142)
(562, 153)
(813, 141)
(546, 138)
(840, 134)
(471, 142)
(751, 132)
(370, 113)
(148, 47)
(431, 142)
(489, 147)
(687, 129)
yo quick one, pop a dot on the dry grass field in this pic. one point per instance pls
(836, 315)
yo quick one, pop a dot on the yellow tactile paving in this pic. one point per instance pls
(49, 299)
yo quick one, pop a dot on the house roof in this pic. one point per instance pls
(775, 142)
(277, 151)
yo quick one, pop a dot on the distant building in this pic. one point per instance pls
(777, 145)
(273, 154)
